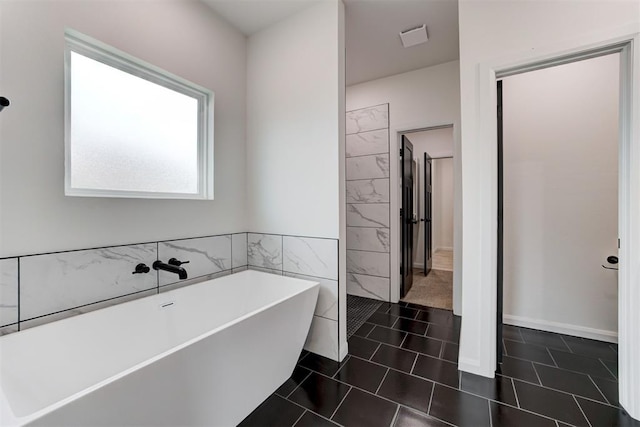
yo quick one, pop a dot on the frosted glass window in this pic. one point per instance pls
(133, 130)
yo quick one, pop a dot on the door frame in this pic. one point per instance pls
(395, 143)
(479, 301)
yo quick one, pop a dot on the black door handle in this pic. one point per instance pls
(612, 259)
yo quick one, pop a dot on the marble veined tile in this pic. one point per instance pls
(239, 247)
(368, 286)
(367, 167)
(265, 270)
(365, 143)
(26, 324)
(206, 255)
(368, 191)
(323, 337)
(368, 215)
(313, 257)
(370, 263)
(265, 250)
(366, 119)
(327, 305)
(8, 291)
(60, 281)
(368, 239)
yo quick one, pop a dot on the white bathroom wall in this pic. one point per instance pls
(295, 141)
(418, 99)
(443, 204)
(183, 37)
(293, 129)
(508, 32)
(561, 198)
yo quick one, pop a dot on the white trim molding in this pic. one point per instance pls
(478, 334)
(562, 328)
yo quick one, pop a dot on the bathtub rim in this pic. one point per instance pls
(7, 416)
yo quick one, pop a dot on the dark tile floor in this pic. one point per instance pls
(402, 372)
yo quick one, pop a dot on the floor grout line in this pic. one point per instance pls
(300, 417)
(298, 385)
(309, 410)
(383, 378)
(608, 370)
(536, 371)
(341, 402)
(583, 414)
(433, 390)
(515, 393)
(490, 417)
(598, 388)
(393, 420)
(374, 353)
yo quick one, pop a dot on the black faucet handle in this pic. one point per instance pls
(176, 262)
(141, 268)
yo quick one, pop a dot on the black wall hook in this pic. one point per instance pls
(4, 102)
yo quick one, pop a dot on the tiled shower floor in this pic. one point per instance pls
(402, 371)
(358, 311)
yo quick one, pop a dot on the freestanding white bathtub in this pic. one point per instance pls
(206, 354)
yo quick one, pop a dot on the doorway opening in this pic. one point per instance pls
(426, 217)
(558, 187)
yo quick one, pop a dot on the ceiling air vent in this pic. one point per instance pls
(414, 36)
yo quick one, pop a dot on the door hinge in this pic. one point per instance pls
(400, 213)
(401, 152)
(618, 243)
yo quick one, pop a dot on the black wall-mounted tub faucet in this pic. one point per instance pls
(181, 272)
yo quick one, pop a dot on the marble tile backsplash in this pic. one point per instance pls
(307, 258)
(8, 291)
(368, 202)
(63, 281)
(205, 255)
(57, 285)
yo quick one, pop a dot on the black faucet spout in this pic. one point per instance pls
(181, 272)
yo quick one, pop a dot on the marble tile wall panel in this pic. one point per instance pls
(368, 286)
(4, 330)
(188, 282)
(8, 291)
(369, 263)
(264, 250)
(368, 215)
(366, 119)
(323, 337)
(365, 143)
(26, 324)
(265, 270)
(368, 239)
(310, 256)
(61, 281)
(239, 249)
(206, 255)
(368, 191)
(327, 305)
(368, 167)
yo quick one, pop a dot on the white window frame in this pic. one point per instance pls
(98, 51)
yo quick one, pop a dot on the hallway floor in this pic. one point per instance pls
(434, 290)
(402, 371)
(443, 260)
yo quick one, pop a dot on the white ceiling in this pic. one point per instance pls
(251, 16)
(372, 26)
(437, 143)
(373, 45)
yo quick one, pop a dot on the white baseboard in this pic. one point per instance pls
(561, 328)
